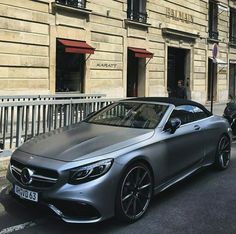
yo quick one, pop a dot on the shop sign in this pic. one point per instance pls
(179, 15)
(106, 65)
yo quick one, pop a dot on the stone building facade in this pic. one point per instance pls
(118, 47)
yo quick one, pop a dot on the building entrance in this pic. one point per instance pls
(232, 79)
(178, 69)
(136, 69)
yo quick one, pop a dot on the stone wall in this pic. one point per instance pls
(24, 47)
(28, 32)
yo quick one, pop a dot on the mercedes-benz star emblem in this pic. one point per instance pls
(26, 176)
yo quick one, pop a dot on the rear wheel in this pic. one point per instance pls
(134, 193)
(222, 160)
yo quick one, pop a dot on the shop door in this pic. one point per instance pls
(232, 77)
(178, 68)
(187, 81)
(132, 75)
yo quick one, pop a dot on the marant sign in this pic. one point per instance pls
(179, 15)
(106, 65)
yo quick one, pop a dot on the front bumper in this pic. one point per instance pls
(88, 202)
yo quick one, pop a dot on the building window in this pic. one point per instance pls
(212, 21)
(73, 3)
(137, 10)
(232, 28)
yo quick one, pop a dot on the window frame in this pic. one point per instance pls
(137, 10)
(213, 20)
(131, 114)
(81, 4)
(232, 26)
(194, 114)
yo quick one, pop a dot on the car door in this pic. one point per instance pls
(185, 147)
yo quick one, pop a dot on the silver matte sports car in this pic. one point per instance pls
(113, 162)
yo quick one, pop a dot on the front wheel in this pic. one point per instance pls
(223, 151)
(134, 193)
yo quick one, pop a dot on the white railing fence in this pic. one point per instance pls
(23, 118)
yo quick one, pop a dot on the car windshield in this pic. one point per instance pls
(130, 114)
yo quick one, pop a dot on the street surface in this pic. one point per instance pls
(203, 203)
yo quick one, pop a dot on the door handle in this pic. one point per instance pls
(197, 127)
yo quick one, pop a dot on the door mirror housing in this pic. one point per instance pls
(172, 125)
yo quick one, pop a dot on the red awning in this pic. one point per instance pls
(141, 53)
(77, 47)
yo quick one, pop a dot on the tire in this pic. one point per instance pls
(223, 151)
(134, 193)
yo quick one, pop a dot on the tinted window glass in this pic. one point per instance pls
(130, 114)
(188, 113)
(185, 113)
(199, 113)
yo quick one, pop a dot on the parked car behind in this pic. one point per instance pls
(230, 114)
(113, 162)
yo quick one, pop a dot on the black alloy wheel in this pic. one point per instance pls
(223, 153)
(135, 192)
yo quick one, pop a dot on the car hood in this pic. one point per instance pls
(83, 140)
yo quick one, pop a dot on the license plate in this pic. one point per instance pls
(26, 194)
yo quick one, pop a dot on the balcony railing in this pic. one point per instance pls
(213, 35)
(232, 39)
(73, 3)
(137, 16)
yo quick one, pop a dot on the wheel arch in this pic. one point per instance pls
(140, 159)
(132, 161)
(217, 162)
(223, 134)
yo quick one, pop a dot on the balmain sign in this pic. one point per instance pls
(179, 15)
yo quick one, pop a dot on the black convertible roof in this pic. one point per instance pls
(174, 101)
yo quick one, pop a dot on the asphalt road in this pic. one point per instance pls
(203, 203)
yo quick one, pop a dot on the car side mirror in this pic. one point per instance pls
(172, 125)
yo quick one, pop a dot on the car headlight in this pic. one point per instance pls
(89, 172)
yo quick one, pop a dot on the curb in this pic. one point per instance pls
(4, 162)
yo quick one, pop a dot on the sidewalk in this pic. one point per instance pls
(4, 161)
(218, 108)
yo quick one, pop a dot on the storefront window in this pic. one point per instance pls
(69, 70)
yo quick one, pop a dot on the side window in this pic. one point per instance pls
(199, 113)
(185, 113)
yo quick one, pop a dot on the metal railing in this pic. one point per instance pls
(73, 3)
(232, 39)
(22, 120)
(213, 34)
(57, 96)
(137, 16)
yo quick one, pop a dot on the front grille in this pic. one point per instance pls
(41, 178)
